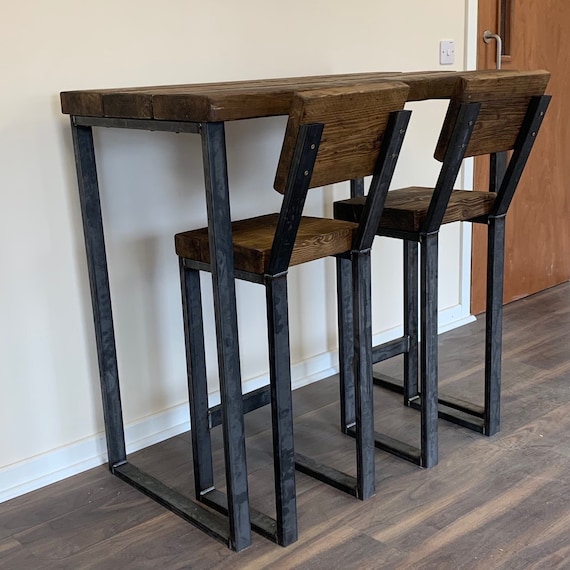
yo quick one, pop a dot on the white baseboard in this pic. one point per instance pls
(58, 464)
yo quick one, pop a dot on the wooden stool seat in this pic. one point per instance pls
(406, 209)
(253, 240)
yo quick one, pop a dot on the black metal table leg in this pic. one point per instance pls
(222, 267)
(211, 523)
(100, 291)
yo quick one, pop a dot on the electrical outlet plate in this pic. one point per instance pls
(446, 52)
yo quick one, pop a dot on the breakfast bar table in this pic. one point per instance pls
(200, 109)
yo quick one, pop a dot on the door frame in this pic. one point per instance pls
(468, 169)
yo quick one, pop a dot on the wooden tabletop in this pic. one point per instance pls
(230, 101)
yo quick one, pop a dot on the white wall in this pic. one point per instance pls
(50, 412)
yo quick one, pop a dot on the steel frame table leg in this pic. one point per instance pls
(222, 268)
(100, 292)
(239, 534)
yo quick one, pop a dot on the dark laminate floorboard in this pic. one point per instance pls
(499, 502)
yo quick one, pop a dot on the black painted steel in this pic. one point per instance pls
(238, 536)
(429, 352)
(345, 341)
(251, 401)
(298, 180)
(390, 348)
(462, 130)
(395, 447)
(523, 146)
(357, 187)
(222, 268)
(383, 172)
(138, 124)
(494, 323)
(197, 379)
(326, 474)
(408, 345)
(281, 408)
(211, 523)
(411, 325)
(362, 326)
(100, 291)
(260, 522)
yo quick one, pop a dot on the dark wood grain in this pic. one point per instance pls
(504, 98)
(354, 118)
(228, 101)
(253, 239)
(497, 502)
(406, 208)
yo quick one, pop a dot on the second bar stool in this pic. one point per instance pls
(332, 135)
(506, 110)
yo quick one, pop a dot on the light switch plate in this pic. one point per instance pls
(446, 52)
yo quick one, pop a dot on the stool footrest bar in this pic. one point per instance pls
(326, 474)
(393, 446)
(390, 349)
(251, 401)
(260, 522)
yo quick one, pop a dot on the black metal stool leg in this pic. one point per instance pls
(281, 408)
(363, 374)
(197, 379)
(494, 324)
(411, 312)
(429, 351)
(345, 342)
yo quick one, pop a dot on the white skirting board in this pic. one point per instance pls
(58, 464)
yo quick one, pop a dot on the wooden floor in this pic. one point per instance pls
(500, 502)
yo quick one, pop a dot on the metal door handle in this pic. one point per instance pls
(487, 37)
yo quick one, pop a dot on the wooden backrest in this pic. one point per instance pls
(354, 118)
(504, 98)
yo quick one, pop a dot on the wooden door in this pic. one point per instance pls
(536, 36)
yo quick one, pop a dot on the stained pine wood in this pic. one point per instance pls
(227, 101)
(253, 239)
(504, 98)
(406, 208)
(499, 502)
(538, 233)
(355, 119)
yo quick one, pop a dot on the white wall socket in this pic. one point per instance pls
(446, 52)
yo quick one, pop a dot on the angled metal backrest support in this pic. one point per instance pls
(505, 100)
(454, 153)
(525, 141)
(356, 130)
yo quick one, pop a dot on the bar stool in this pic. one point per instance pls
(332, 135)
(508, 108)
